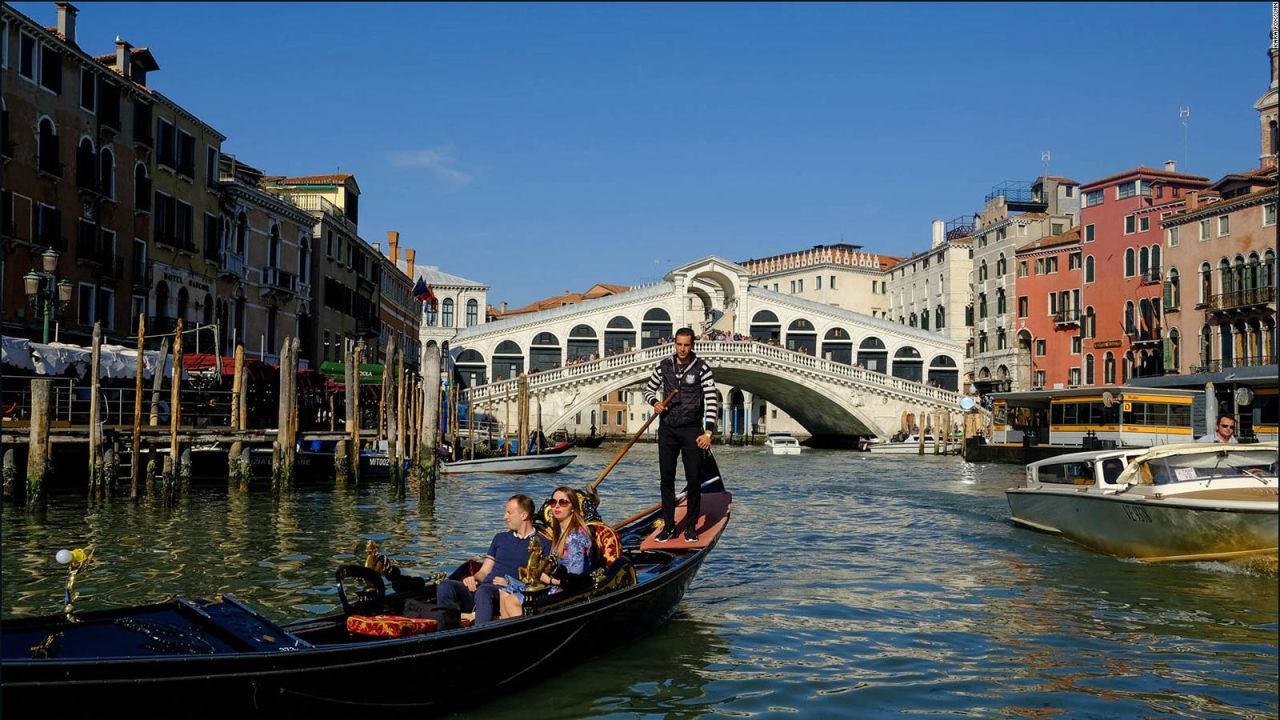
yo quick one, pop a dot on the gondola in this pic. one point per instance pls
(590, 441)
(558, 448)
(219, 656)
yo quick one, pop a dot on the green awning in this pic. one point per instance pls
(370, 373)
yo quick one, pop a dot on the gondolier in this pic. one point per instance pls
(688, 424)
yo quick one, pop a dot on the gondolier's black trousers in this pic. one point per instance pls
(682, 442)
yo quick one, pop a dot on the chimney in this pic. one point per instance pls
(67, 21)
(409, 254)
(1170, 166)
(504, 307)
(939, 232)
(124, 54)
(377, 247)
(393, 242)
(1193, 200)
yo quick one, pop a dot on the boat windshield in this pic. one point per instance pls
(1068, 473)
(1205, 466)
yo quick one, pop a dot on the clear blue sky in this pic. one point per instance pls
(543, 148)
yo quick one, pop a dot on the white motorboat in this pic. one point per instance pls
(1173, 502)
(782, 443)
(512, 465)
(911, 446)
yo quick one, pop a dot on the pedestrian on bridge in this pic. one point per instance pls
(687, 426)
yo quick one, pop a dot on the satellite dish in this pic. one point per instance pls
(1108, 399)
(1244, 396)
(967, 404)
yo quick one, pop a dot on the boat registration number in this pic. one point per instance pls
(1136, 513)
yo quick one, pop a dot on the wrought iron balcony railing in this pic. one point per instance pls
(1242, 299)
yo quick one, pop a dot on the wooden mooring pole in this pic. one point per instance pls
(353, 392)
(282, 455)
(174, 476)
(135, 468)
(157, 382)
(237, 469)
(97, 479)
(401, 434)
(429, 458)
(38, 445)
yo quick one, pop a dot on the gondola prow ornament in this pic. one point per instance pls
(78, 559)
(531, 573)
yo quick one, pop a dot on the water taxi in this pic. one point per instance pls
(911, 446)
(1190, 501)
(782, 443)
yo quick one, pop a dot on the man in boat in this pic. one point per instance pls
(688, 424)
(508, 552)
(1223, 432)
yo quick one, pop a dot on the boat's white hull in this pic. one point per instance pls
(784, 449)
(1149, 528)
(514, 465)
(911, 448)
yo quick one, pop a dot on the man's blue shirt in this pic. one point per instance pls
(510, 552)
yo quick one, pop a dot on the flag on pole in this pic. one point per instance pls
(423, 292)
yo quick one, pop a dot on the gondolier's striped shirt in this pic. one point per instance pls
(691, 379)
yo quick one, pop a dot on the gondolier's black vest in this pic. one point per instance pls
(686, 408)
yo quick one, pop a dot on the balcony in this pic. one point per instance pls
(230, 263)
(1239, 300)
(1067, 318)
(1213, 366)
(280, 279)
(1019, 196)
(1152, 276)
(1142, 336)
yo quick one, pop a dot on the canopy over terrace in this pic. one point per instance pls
(115, 362)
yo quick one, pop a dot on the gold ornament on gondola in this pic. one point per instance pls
(77, 560)
(531, 573)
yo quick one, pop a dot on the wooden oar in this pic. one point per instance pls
(591, 489)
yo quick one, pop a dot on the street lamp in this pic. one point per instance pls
(44, 291)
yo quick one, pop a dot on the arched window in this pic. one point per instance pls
(1002, 266)
(1253, 272)
(873, 355)
(107, 171)
(1144, 261)
(304, 258)
(1206, 283)
(1002, 304)
(473, 312)
(446, 313)
(208, 310)
(508, 360)
(1088, 369)
(544, 352)
(940, 318)
(907, 364)
(242, 233)
(1206, 346)
(802, 337)
(619, 336)
(1109, 369)
(1090, 323)
(183, 302)
(911, 320)
(1130, 326)
(1226, 347)
(1269, 268)
(470, 364)
(924, 320)
(273, 247)
(162, 300)
(1155, 261)
(583, 343)
(1088, 269)
(141, 188)
(982, 271)
(655, 328)
(1224, 270)
(1128, 262)
(982, 306)
(1174, 361)
(47, 148)
(944, 372)
(86, 165)
(1126, 368)
(837, 346)
(1172, 291)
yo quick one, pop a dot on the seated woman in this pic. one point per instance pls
(571, 546)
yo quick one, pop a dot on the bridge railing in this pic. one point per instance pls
(713, 348)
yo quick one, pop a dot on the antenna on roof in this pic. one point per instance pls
(1184, 112)
(1045, 157)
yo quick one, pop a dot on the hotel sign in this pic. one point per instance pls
(1104, 344)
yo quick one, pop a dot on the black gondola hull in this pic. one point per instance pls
(433, 670)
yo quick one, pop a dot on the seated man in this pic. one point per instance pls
(508, 552)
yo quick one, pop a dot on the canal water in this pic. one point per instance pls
(846, 585)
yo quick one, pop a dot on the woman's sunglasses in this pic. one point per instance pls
(561, 502)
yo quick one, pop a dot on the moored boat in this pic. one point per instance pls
(782, 443)
(510, 465)
(911, 446)
(1196, 501)
(220, 656)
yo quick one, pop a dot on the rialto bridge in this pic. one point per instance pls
(838, 373)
